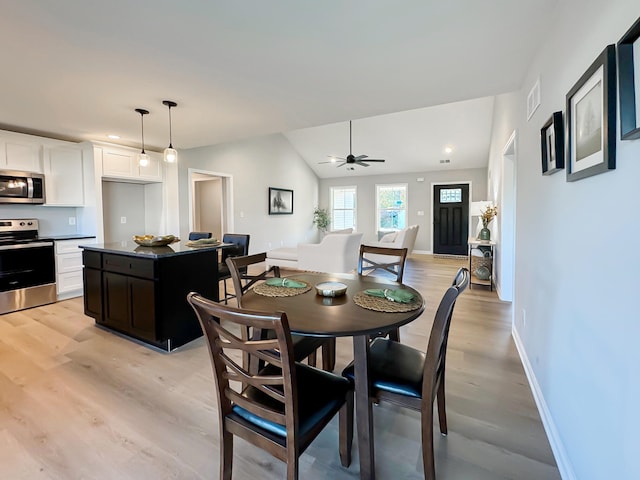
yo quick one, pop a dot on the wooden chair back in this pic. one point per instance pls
(225, 346)
(371, 259)
(437, 346)
(243, 280)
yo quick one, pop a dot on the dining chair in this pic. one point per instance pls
(386, 259)
(283, 407)
(243, 281)
(199, 235)
(410, 378)
(390, 260)
(240, 248)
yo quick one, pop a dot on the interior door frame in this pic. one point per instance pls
(452, 182)
(194, 175)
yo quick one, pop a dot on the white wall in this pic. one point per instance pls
(255, 165)
(419, 198)
(123, 200)
(576, 308)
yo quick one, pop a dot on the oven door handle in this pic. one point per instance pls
(27, 245)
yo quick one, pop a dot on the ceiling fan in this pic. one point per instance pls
(361, 160)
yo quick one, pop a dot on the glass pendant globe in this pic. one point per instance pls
(143, 159)
(170, 155)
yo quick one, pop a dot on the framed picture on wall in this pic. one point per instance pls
(552, 144)
(629, 82)
(280, 201)
(591, 119)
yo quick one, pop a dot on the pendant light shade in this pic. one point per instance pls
(143, 158)
(170, 153)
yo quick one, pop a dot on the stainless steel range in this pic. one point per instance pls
(27, 266)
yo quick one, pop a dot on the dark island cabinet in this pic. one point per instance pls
(145, 298)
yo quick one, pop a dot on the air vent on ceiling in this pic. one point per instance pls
(533, 99)
(445, 160)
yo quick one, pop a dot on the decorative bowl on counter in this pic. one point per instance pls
(155, 240)
(331, 289)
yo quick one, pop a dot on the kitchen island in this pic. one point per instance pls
(140, 292)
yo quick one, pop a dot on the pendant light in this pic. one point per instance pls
(170, 153)
(143, 158)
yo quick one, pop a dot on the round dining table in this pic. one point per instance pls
(315, 315)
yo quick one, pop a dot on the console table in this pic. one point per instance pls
(481, 254)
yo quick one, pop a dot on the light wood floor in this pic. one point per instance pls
(77, 402)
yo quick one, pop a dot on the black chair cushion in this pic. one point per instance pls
(394, 368)
(320, 396)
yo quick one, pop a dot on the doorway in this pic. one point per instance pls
(210, 202)
(450, 219)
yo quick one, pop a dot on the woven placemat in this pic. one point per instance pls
(380, 304)
(277, 291)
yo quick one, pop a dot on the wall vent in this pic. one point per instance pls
(533, 99)
(446, 160)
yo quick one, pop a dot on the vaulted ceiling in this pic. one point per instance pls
(77, 69)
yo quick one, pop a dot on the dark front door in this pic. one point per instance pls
(450, 219)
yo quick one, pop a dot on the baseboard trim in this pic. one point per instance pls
(559, 452)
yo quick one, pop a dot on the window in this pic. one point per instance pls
(343, 208)
(450, 195)
(391, 208)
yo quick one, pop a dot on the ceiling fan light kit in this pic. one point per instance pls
(362, 160)
(143, 158)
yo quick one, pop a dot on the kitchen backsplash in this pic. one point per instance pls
(51, 220)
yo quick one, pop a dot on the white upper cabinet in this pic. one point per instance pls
(64, 176)
(21, 155)
(122, 163)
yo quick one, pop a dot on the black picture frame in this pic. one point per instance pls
(629, 82)
(280, 201)
(591, 105)
(552, 144)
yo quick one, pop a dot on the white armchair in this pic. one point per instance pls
(405, 238)
(336, 253)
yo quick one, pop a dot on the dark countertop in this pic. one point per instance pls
(132, 249)
(69, 236)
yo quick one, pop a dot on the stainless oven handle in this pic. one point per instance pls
(27, 245)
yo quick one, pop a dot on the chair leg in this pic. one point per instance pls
(442, 409)
(226, 454)
(345, 418)
(225, 291)
(395, 335)
(329, 355)
(427, 441)
(312, 359)
(292, 467)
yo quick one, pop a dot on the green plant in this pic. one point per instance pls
(321, 218)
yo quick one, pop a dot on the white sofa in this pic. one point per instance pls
(336, 253)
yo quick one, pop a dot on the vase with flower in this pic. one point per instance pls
(487, 215)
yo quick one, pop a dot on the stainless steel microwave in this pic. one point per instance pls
(21, 187)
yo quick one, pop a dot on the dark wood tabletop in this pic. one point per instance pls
(313, 315)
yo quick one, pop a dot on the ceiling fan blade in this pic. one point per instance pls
(343, 163)
(361, 157)
(320, 163)
(373, 160)
(361, 163)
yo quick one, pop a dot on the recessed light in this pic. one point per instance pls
(113, 137)
(448, 150)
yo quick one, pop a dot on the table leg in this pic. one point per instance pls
(364, 411)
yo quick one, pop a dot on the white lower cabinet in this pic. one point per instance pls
(69, 267)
